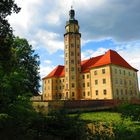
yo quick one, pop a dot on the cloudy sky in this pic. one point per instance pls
(104, 24)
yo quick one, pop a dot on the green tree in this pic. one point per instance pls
(7, 7)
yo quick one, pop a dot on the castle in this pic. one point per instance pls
(107, 76)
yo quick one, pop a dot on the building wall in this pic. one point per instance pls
(107, 82)
(47, 88)
(101, 87)
(125, 83)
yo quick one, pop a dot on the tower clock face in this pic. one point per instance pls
(67, 29)
(76, 28)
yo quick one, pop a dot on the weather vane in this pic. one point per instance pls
(71, 7)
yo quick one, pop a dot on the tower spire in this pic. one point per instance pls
(72, 13)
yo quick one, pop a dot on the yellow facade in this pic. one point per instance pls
(104, 82)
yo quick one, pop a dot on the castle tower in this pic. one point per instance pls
(72, 57)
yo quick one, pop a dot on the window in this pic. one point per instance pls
(72, 68)
(120, 81)
(121, 91)
(104, 81)
(78, 61)
(115, 71)
(72, 85)
(72, 77)
(120, 71)
(96, 82)
(117, 92)
(83, 84)
(87, 84)
(72, 53)
(129, 74)
(133, 74)
(104, 91)
(66, 54)
(125, 83)
(124, 72)
(95, 72)
(60, 81)
(87, 76)
(66, 86)
(131, 92)
(88, 93)
(48, 81)
(103, 71)
(116, 81)
(126, 92)
(130, 82)
(83, 93)
(78, 54)
(72, 45)
(66, 62)
(96, 92)
(83, 76)
(72, 93)
(66, 69)
(63, 80)
(72, 61)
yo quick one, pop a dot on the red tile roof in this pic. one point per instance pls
(110, 57)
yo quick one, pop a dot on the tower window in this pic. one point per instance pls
(72, 85)
(72, 77)
(72, 45)
(72, 61)
(72, 68)
(72, 53)
(66, 54)
(66, 62)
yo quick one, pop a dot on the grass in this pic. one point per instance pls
(110, 117)
(101, 116)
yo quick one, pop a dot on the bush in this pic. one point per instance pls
(129, 110)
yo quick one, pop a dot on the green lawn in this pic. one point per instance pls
(109, 117)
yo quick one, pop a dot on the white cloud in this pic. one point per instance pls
(45, 70)
(47, 61)
(90, 53)
(50, 41)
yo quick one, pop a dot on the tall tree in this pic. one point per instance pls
(18, 63)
